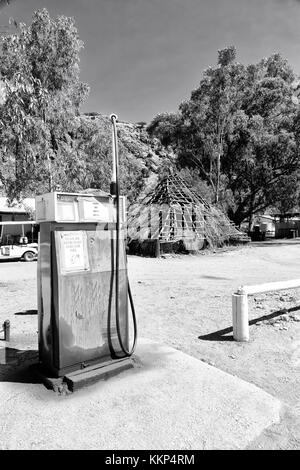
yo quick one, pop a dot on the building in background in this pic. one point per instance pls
(24, 211)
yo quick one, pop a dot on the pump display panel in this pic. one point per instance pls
(65, 207)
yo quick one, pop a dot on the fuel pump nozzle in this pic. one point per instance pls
(114, 190)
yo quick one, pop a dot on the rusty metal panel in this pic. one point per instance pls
(76, 301)
(102, 250)
(85, 303)
(83, 299)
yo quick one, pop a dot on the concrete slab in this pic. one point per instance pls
(169, 401)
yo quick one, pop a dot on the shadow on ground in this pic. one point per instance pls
(15, 365)
(220, 334)
(217, 278)
(271, 243)
(9, 260)
(27, 312)
(19, 366)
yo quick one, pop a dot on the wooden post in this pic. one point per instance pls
(240, 320)
(149, 223)
(157, 249)
(6, 329)
(160, 224)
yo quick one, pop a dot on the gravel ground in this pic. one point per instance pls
(185, 302)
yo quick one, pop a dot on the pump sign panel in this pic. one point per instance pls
(73, 248)
(91, 209)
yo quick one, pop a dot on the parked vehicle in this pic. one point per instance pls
(18, 240)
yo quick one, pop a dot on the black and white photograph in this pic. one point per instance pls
(149, 228)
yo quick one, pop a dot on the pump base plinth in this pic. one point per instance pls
(83, 377)
(90, 375)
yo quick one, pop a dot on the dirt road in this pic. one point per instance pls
(185, 302)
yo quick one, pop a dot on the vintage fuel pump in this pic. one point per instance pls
(83, 287)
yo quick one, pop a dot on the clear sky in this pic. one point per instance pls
(142, 57)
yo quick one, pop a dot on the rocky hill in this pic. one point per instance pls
(142, 156)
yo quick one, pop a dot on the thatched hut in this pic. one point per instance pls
(173, 217)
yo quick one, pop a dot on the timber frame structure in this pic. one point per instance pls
(174, 214)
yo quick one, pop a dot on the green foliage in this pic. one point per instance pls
(226, 56)
(242, 118)
(236, 139)
(45, 143)
(166, 127)
(94, 139)
(287, 194)
(39, 116)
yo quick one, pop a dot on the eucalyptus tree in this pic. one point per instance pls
(39, 110)
(238, 131)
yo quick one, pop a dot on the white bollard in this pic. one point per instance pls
(240, 320)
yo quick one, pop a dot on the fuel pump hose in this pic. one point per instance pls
(115, 188)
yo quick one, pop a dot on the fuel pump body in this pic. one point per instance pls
(76, 281)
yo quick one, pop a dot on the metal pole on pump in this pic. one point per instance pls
(113, 183)
(115, 190)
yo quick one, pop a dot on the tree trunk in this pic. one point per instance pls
(250, 222)
(218, 178)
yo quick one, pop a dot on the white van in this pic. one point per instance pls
(18, 240)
